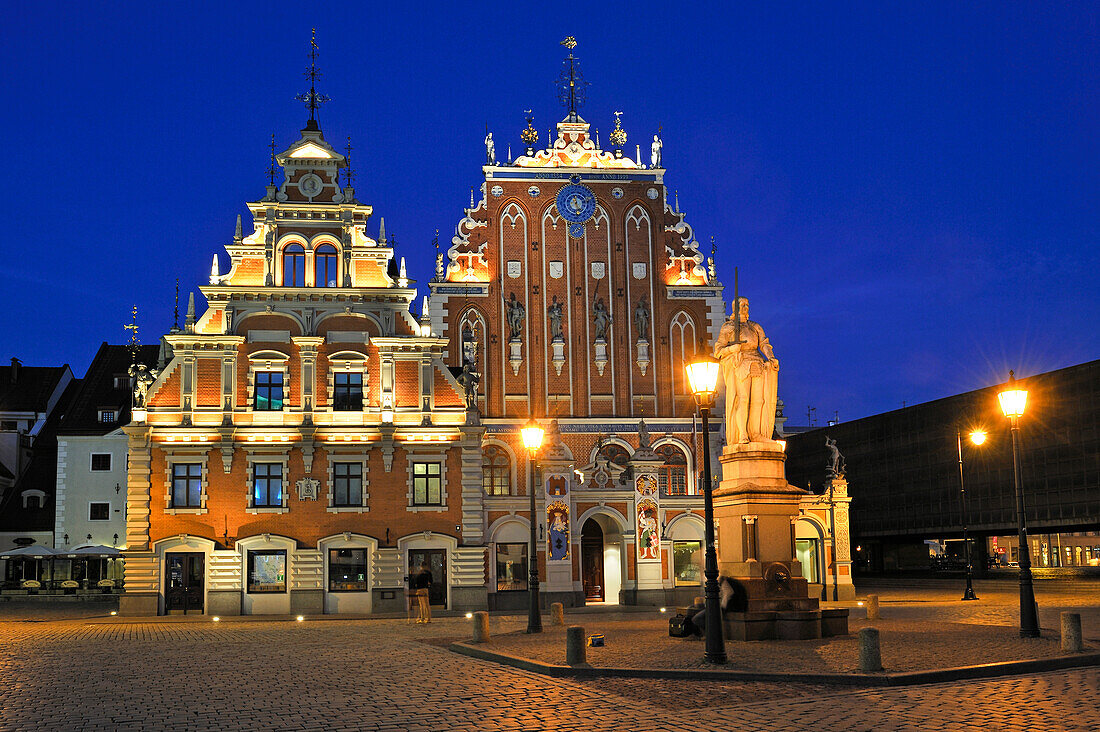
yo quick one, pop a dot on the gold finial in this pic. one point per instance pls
(618, 135)
(529, 135)
(570, 42)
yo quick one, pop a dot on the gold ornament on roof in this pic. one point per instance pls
(570, 42)
(618, 135)
(530, 135)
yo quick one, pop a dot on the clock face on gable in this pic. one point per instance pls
(576, 203)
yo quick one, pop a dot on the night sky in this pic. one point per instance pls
(911, 195)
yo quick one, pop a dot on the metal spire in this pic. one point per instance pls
(312, 99)
(571, 84)
(349, 174)
(271, 166)
(133, 328)
(176, 309)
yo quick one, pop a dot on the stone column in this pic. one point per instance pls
(141, 578)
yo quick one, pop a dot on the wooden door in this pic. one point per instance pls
(183, 588)
(436, 559)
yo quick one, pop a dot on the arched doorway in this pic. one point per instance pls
(601, 560)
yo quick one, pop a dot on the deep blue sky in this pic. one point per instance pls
(911, 194)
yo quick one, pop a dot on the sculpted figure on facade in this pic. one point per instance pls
(554, 314)
(836, 465)
(516, 314)
(143, 378)
(490, 149)
(641, 318)
(750, 373)
(468, 379)
(601, 319)
(655, 151)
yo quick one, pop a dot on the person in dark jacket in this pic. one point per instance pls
(421, 584)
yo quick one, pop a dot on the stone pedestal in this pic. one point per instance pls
(755, 509)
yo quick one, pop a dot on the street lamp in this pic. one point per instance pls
(1013, 400)
(532, 439)
(977, 437)
(702, 374)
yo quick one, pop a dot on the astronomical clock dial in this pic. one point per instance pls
(310, 185)
(576, 203)
(576, 231)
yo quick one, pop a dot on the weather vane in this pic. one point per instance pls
(571, 83)
(312, 99)
(133, 328)
(349, 174)
(271, 165)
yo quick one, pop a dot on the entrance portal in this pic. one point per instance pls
(183, 591)
(592, 561)
(436, 559)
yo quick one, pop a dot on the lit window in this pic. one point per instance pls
(267, 485)
(347, 484)
(294, 266)
(325, 266)
(99, 511)
(187, 485)
(347, 570)
(687, 562)
(674, 471)
(101, 461)
(107, 416)
(495, 471)
(267, 571)
(511, 560)
(427, 484)
(269, 391)
(347, 393)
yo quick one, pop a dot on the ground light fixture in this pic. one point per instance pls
(216, 619)
(532, 434)
(469, 615)
(1013, 402)
(300, 618)
(702, 374)
(976, 437)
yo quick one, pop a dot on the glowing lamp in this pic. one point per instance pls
(1013, 401)
(300, 618)
(216, 619)
(702, 374)
(532, 435)
(978, 436)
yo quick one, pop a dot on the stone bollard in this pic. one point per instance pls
(481, 627)
(557, 614)
(870, 659)
(575, 652)
(872, 607)
(1071, 632)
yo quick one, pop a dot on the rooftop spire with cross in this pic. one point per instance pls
(571, 84)
(312, 99)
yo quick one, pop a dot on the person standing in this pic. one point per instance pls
(422, 583)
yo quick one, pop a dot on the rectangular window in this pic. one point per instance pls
(99, 511)
(267, 571)
(347, 394)
(347, 484)
(269, 391)
(122, 382)
(805, 550)
(347, 570)
(687, 562)
(267, 485)
(9, 425)
(101, 461)
(511, 567)
(187, 485)
(427, 484)
(107, 416)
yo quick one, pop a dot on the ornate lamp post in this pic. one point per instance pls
(702, 374)
(1013, 400)
(532, 439)
(977, 437)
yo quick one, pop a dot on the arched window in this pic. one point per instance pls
(674, 471)
(615, 454)
(495, 471)
(294, 266)
(324, 266)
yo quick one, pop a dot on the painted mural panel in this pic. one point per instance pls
(557, 518)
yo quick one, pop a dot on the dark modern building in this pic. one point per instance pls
(903, 476)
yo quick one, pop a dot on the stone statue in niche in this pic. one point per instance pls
(835, 468)
(143, 378)
(516, 313)
(469, 380)
(643, 434)
(641, 318)
(601, 318)
(553, 312)
(750, 372)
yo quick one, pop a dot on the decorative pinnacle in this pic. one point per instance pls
(349, 174)
(133, 328)
(271, 166)
(571, 84)
(529, 135)
(175, 310)
(312, 99)
(618, 135)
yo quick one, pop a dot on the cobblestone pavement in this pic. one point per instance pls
(378, 675)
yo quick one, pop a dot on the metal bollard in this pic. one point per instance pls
(575, 652)
(870, 658)
(872, 607)
(1071, 632)
(481, 627)
(557, 614)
